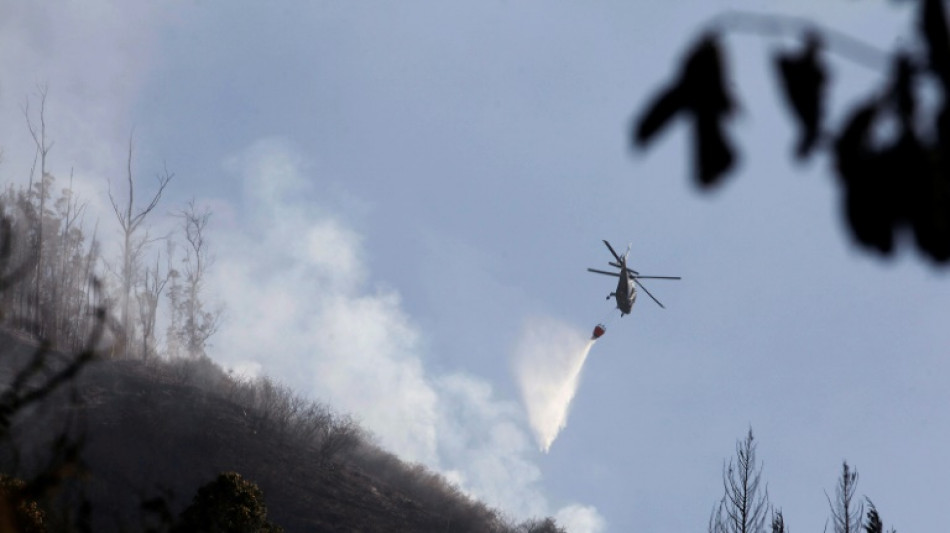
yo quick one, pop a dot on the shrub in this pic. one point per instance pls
(17, 512)
(229, 504)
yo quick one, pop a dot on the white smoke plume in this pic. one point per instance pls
(580, 519)
(301, 308)
(549, 358)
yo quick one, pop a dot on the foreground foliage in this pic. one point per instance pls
(889, 154)
(229, 504)
(18, 511)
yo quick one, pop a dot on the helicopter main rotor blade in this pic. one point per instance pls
(648, 293)
(618, 265)
(614, 252)
(594, 270)
(656, 277)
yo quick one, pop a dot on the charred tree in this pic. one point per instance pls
(135, 239)
(744, 506)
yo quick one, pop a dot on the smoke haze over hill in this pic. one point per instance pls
(295, 279)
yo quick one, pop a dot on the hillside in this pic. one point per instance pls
(158, 431)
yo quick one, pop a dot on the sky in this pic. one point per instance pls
(406, 197)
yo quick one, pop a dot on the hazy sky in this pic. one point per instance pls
(404, 193)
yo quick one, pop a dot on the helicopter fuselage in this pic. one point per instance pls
(626, 293)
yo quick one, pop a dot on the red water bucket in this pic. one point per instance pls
(599, 330)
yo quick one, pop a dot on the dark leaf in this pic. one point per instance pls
(933, 24)
(851, 158)
(903, 90)
(921, 190)
(700, 91)
(701, 65)
(666, 106)
(928, 208)
(865, 174)
(712, 152)
(710, 103)
(803, 78)
(703, 79)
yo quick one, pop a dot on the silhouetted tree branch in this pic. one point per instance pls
(891, 184)
(34, 381)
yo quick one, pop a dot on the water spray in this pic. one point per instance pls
(549, 359)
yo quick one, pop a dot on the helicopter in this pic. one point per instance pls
(629, 280)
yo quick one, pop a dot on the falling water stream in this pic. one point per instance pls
(548, 371)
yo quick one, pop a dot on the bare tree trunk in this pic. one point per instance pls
(66, 311)
(148, 298)
(133, 245)
(38, 132)
(199, 324)
(90, 293)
